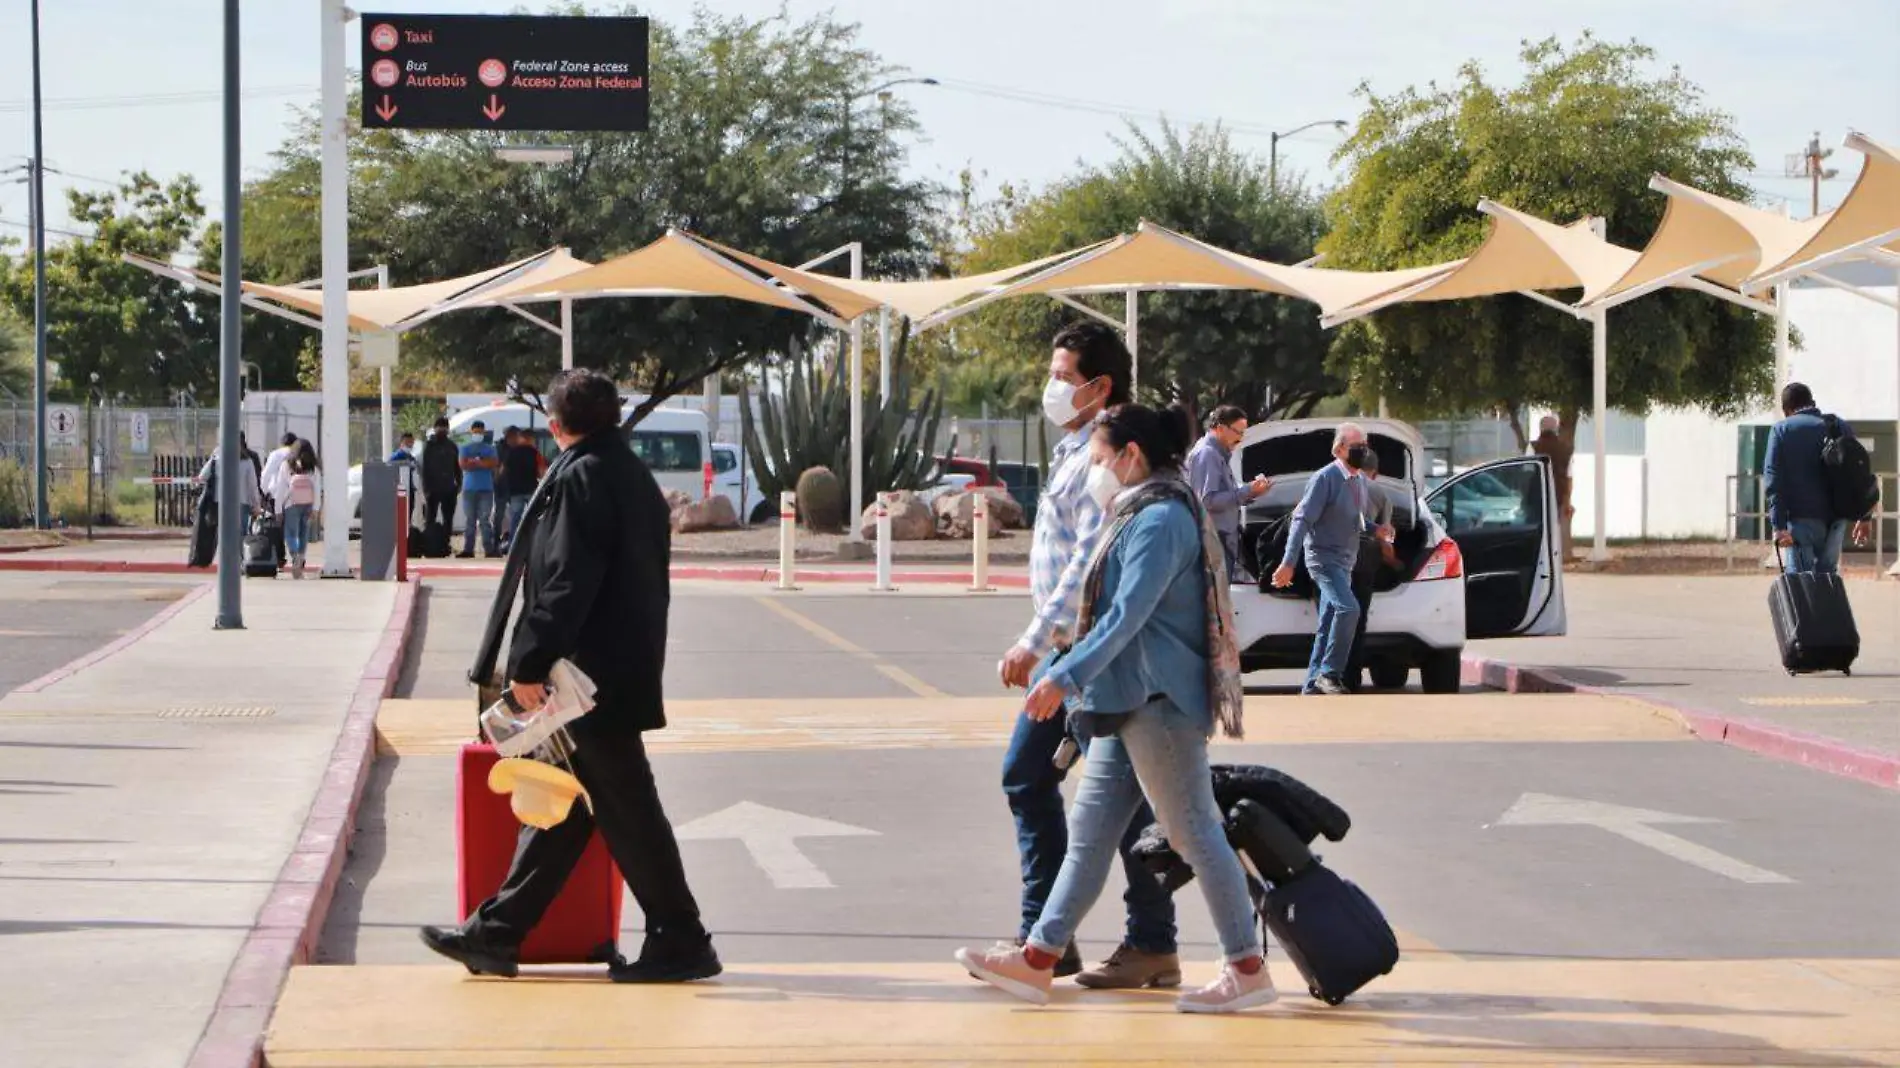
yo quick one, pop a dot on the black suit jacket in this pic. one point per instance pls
(596, 586)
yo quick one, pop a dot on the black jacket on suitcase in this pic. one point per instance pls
(1814, 623)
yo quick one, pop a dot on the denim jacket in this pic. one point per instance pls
(1150, 637)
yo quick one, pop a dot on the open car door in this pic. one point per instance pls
(1504, 517)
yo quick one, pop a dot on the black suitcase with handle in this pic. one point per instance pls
(1814, 623)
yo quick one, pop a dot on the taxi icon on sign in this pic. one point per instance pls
(384, 37)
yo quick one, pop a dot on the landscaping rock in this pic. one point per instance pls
(911, 520)
(713, 513)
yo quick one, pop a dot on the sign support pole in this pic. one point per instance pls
(383, 375)
(335, 228)
(36, 200)
(231, 463)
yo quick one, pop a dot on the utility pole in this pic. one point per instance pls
(37, 200)
(1808, 163)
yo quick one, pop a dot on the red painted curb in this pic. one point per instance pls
(115, 646)
(703, 573)
(1809, 750)
(287, 927)
(107, 567)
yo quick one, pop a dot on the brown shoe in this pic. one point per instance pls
(1131, 969)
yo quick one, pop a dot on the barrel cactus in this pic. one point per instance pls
(821, 500)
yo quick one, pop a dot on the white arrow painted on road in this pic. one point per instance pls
(771, 836)
(1637, 825)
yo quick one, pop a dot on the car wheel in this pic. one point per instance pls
(762, 513)
(1390, 676)
(1442, 671)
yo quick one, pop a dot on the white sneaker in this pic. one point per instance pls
(1234, 991)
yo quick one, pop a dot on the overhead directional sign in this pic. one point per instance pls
(504, 72)
(1637, 825)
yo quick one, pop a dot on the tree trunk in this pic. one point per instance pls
(1517, 428)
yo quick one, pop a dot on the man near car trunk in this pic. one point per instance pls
(1089, 371)
(1210, 472)
(1326, 527)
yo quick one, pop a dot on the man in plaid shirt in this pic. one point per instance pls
(1089, 371)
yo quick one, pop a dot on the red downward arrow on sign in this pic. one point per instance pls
(386, 109)
(494, 109)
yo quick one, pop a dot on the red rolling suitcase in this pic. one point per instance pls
(583, 924)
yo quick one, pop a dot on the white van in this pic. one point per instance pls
(672, 441)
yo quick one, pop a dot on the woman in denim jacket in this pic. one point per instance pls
(1137, 682)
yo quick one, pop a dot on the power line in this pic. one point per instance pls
(18, 225)
(1069, 103)
(195, 96)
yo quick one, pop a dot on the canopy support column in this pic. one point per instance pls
(383, 376)
(1600, 428)
(884, 355)
(567, 333)
(857, 407)
(1781, 336)
(334, 433)
(1131, 329)
(1893, 504)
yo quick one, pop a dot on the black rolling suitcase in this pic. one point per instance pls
(1330, 929)
(432, 541)
(260, 549)
(1814, 623)
(204, 535)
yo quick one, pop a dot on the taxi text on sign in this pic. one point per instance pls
(504, 72)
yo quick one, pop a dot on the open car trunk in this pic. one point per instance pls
(1265, 523)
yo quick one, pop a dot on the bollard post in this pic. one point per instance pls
(787, 533)
(980, 542)
(883, 514)
(402, 534)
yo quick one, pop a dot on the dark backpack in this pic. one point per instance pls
(1852, 489)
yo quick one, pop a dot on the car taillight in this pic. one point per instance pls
(1446, 562)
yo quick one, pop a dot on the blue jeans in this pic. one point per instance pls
(478, 510)
(1033, 785)
(296, 529)
(1817, 546)
(1163, 752)
(515, 506)
(1338, 619)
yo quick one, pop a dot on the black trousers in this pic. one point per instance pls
(612, 764)
(442, 506)
(1365, 573)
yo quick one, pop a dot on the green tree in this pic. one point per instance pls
(1203, 347)
(144, 336)
(757, 140)
(1579, 135)
(16, 357)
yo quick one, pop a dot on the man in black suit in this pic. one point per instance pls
(595, 593)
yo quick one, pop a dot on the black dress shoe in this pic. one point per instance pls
(668, 966)
(479, 957)
(1071, 962)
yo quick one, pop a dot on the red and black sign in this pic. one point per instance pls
(504, 72)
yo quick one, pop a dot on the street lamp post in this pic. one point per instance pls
(36, 199)
(1273, 147)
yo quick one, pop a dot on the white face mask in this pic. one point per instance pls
(1104, 484)
(1058, 402)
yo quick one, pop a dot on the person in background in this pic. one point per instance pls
(1376, 555)
(1326, 528)
(441, 477)
(1550, 445)
(250, 494)
(1210, 471)
(300, 492)
(595, 592)
(478, 461)
(1152, 670)
(520, 473)
(1795, 482)
(1089, 369)
(286, 448)
(403, 459)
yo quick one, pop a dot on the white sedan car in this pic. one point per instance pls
(1480, 555)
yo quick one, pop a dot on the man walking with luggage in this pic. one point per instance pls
(1089, 371)
(1806, 505)
(595, 593)
(1210, 472)
(441, 478)
(1326, 527)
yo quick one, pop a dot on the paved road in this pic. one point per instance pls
(1707, 642)
(51, 620)
(1695, 867)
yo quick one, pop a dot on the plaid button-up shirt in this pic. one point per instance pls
(1068, 524)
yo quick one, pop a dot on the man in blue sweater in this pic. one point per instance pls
(1795, 482)
(1327, 526)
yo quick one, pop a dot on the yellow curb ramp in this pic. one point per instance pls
(1604, 1014)
(438, 727)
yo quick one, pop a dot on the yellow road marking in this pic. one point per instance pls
(842, 644)
(1427, 1012)
(413, 728)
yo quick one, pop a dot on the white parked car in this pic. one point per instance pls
(1481, 555)
(733, 477)
(672, 441)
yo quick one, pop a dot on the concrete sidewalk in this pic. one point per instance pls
(1707, 643)
(151, 799)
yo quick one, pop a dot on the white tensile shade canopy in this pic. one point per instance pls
(401, 306)
(1704, 234)
(1866, 225)
(676, 265)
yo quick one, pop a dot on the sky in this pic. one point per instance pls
(1031, 87)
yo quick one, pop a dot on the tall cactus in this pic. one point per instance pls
(808, 424)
